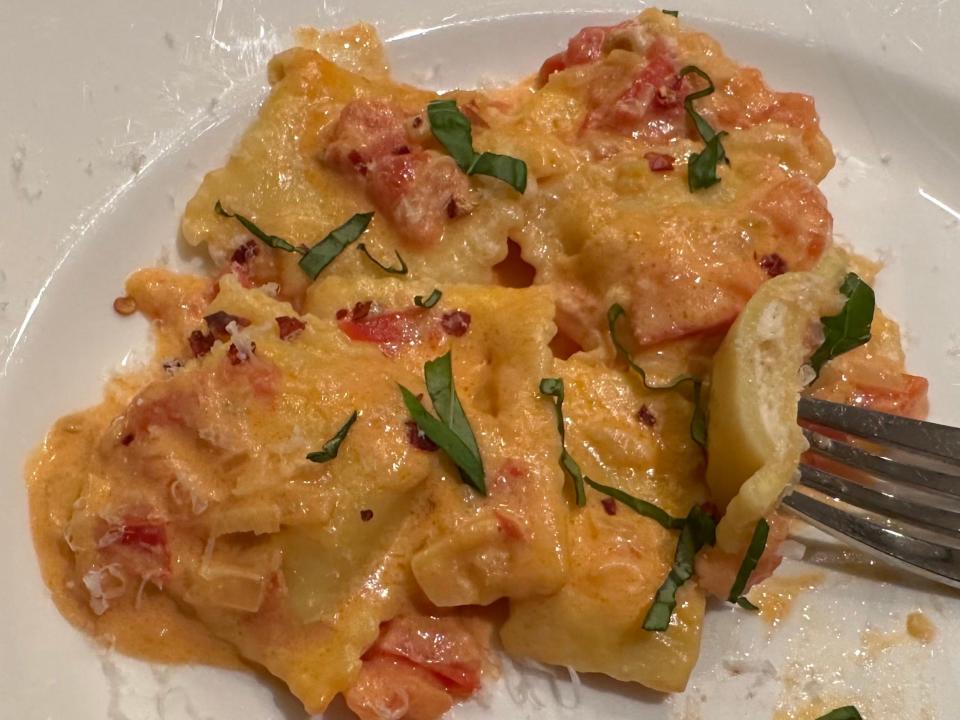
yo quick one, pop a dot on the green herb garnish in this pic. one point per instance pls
(850, 328)
(452, 432)
(702, 166)
(270, 240)
(432, 299)
(675, 13)
(332, 446)
(698, 423)
(402, 270)
(848, 712)
(553, 387)
(698, 530)
(757, 544)
(324, 252)
(320, 255)
(642, 507)
(452, 129)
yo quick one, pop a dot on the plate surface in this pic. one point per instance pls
(113, 112)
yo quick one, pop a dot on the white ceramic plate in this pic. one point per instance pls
(112, 111)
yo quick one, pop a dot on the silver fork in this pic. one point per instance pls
(900, 503)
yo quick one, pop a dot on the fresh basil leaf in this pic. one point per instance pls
(698, 422)
(642, 507)
(746, 604)
(553, 387)
(452, 129)
(850, 328)
(324, 252)
(469, 463)
(757, 543)
(702, 166)
(848, 712)
(402, 270)
(332, 446)
(432, 299)
(503, 167)
(438, 376)
(675, 13)
(698, 530)
(270, 240)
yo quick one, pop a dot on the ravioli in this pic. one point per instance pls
(346, 473)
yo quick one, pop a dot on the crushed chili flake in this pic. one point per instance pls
(658, 162)
(773, 264)
(361, 310)
(126, 439)
(366, 515)
(172, 365)
(455, 323)
(245, 253)
(125, 305)
(646, 416)
(236, 356)
(416, 438)
(609, 506)
(218, 321)
(200, 343)
(417, 121)
(452, 208)
(290, 327)
(342, 314)
(402, 150)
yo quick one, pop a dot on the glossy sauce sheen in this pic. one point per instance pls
(181, 521)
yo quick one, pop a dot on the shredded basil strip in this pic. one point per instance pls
(848, 712)
(641, 507)
(746, 604)
(698, 530)
(452, 432)
(850, 328)
(332, 446)
(553, 387)
(270, 240)
(402, 270)
(452, 129)
(698, 423)
(325, 251)
(757, 544)
(702, 166)
(432, 299)
(675, 13)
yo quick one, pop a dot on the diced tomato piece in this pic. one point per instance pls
(391, 688)
(420, 192)
(144, 533)
(798, 211)
(716, 571)
(367, 130)
(402, 327)
(658, 162)
(586, 46)
(441, 645)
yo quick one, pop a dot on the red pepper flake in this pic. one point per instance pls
(416, 438)
(172, 366)
(126, 439)
(452, 208)
(773, 264)
(342, 314)
(218, 321)
(455, 323)
(236, 356)
(125, 305)
(200, 343)
(290, 327)
(659, 162)
(402, 150)
(148, 535)
(245, 253)
(356, 160)
(646, 416)
(609, 506)
(361, 310)
(366, 515)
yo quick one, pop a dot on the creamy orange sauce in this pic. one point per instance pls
(776, 596)
(920, 627)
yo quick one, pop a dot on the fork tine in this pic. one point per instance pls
(937, 519)
(932, 560)
(939, 441)
(916, 477)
